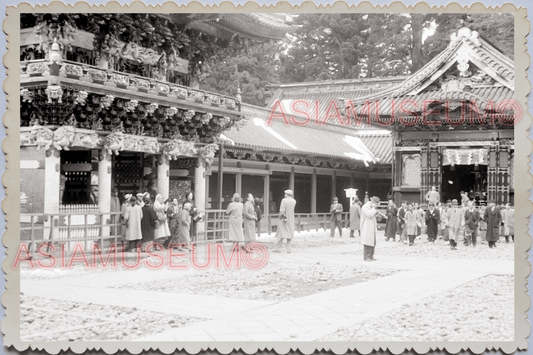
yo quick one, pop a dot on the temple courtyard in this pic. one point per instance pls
(322, 291)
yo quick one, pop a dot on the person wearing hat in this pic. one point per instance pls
(369, 227)
(286, 221)
(132, 218)
(336, 210)
(456, 221)
(114, 208)
(493, 218)
(432, 222)
(355, 217)
(392, 220)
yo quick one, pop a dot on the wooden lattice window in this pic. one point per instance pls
(411, 170)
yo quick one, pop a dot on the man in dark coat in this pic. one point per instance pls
(471, 223)
(493, 218)
(432, 222)
(148, 224)
(392, 221)
(336, 215)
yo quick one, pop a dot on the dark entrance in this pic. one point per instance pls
(469, 178)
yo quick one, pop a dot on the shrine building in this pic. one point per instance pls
(452, 123)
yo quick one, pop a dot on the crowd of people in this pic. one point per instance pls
(450, 221)
(157, 222)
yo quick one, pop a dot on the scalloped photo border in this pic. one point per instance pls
(10, 325)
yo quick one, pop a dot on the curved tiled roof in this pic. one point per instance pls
(337, 142)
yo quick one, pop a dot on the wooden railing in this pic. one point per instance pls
(105, 229)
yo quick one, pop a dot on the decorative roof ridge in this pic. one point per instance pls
(337, 82)
(465, 36)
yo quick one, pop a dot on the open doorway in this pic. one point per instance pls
(469, 178)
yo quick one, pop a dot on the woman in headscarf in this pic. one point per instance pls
(160, 208)
(148, 223)
(132, 218)
(235, 211)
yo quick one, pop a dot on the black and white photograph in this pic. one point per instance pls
(322, 177)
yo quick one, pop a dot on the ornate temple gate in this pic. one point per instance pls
(419, 165)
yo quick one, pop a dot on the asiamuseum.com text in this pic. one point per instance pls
(428, 112)
(252, 256)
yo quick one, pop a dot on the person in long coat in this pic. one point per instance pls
(148, 223)
(194, 214)
(369, 228)
(402, 231)
(411, 223)
(493, 218)
(160, 207)
(432, 221)
(235, 210)
(482, 224)
(184, 225)
(132, 218)
(456, 221)
(508, 222)
(355, 217)
(286, 221)
(444, 221)
(258, 213)
(336, 210)
(249, 220)
(125, 206)
(173, 216)
(471, 224)
(392, 221)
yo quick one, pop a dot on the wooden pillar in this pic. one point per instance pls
(163, 176)
(491, 175)
(200, 195)
(220, 174)
(52, 168)
(238, 184)
(313, 191)
(334, 184)
(266, 194)
(424, 158)
(291, 180)
(104, 191)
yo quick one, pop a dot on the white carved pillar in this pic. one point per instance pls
(163, 176)
(104, 191)
(199, 194)
(52, 168)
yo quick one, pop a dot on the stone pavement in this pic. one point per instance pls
(306, 318)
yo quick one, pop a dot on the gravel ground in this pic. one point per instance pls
(40, 318)
(274, 282)
(480, 310)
